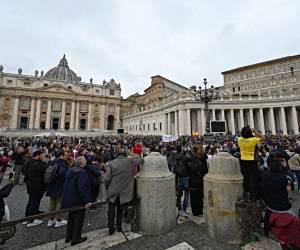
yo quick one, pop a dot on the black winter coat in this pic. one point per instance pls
(34, 171)
(94, 175)
(198, 170)
(4, 192)
(186, 162)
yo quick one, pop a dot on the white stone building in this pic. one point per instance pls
(265, 95)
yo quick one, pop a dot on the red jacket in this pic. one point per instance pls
(286, 228)
(137, 149)
(3, 163)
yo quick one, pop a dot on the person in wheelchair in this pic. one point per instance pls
(280, 219)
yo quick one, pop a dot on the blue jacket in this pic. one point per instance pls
(56, 188)
(77, 188)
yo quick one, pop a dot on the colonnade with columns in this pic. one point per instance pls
(272, 120)
(39, 117)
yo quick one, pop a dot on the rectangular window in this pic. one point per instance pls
(111, 92)
(9, 81)
(160, 126)
(27, 83)
(69, 87)
(43, 113)
(46, 85)
(97, 91)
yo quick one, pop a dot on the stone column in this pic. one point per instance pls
(283, 121)
(48, 118)
(295, 125)
(188, 122)
(118, 116)
(181, 122)
(158, 131)
(176, 122)
(156, 210)
(102, 117)
(223, 114)
(15, 113)
(89, 121)
(169, 123)
(251, 118)
(203, 121)
(199, 127)
(213, 111)
(63, 114)
(261, 121)
(232, 121)
(77, 116)
(272, 121)
(165, 123)
(72, 116)
(223, 186)
(38, 114)
(31, 119)
(242, 122)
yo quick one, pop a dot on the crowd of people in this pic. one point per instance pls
(75, 172)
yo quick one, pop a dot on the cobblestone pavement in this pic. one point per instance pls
(192, 233)
(189, 232)
(29, 237)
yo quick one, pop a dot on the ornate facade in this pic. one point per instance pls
(264, 95)
(57, 100)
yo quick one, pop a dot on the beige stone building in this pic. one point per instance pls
(57, 100)
(265, 95)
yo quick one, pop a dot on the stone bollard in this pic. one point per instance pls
(223, 186)
(156, 213)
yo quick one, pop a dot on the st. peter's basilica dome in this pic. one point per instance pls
(62, 72)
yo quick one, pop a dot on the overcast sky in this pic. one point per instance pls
(132, 40)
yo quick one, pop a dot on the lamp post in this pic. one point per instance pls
(205, 96)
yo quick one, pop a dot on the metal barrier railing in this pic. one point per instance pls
(8, 229)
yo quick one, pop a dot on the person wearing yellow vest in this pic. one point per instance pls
(249, 166)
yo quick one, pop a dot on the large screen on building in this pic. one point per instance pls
(120, 131)
(218, 126)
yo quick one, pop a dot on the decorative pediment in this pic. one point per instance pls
(57, 89)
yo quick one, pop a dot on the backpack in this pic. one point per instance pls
(179, 168)
(51, 173)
